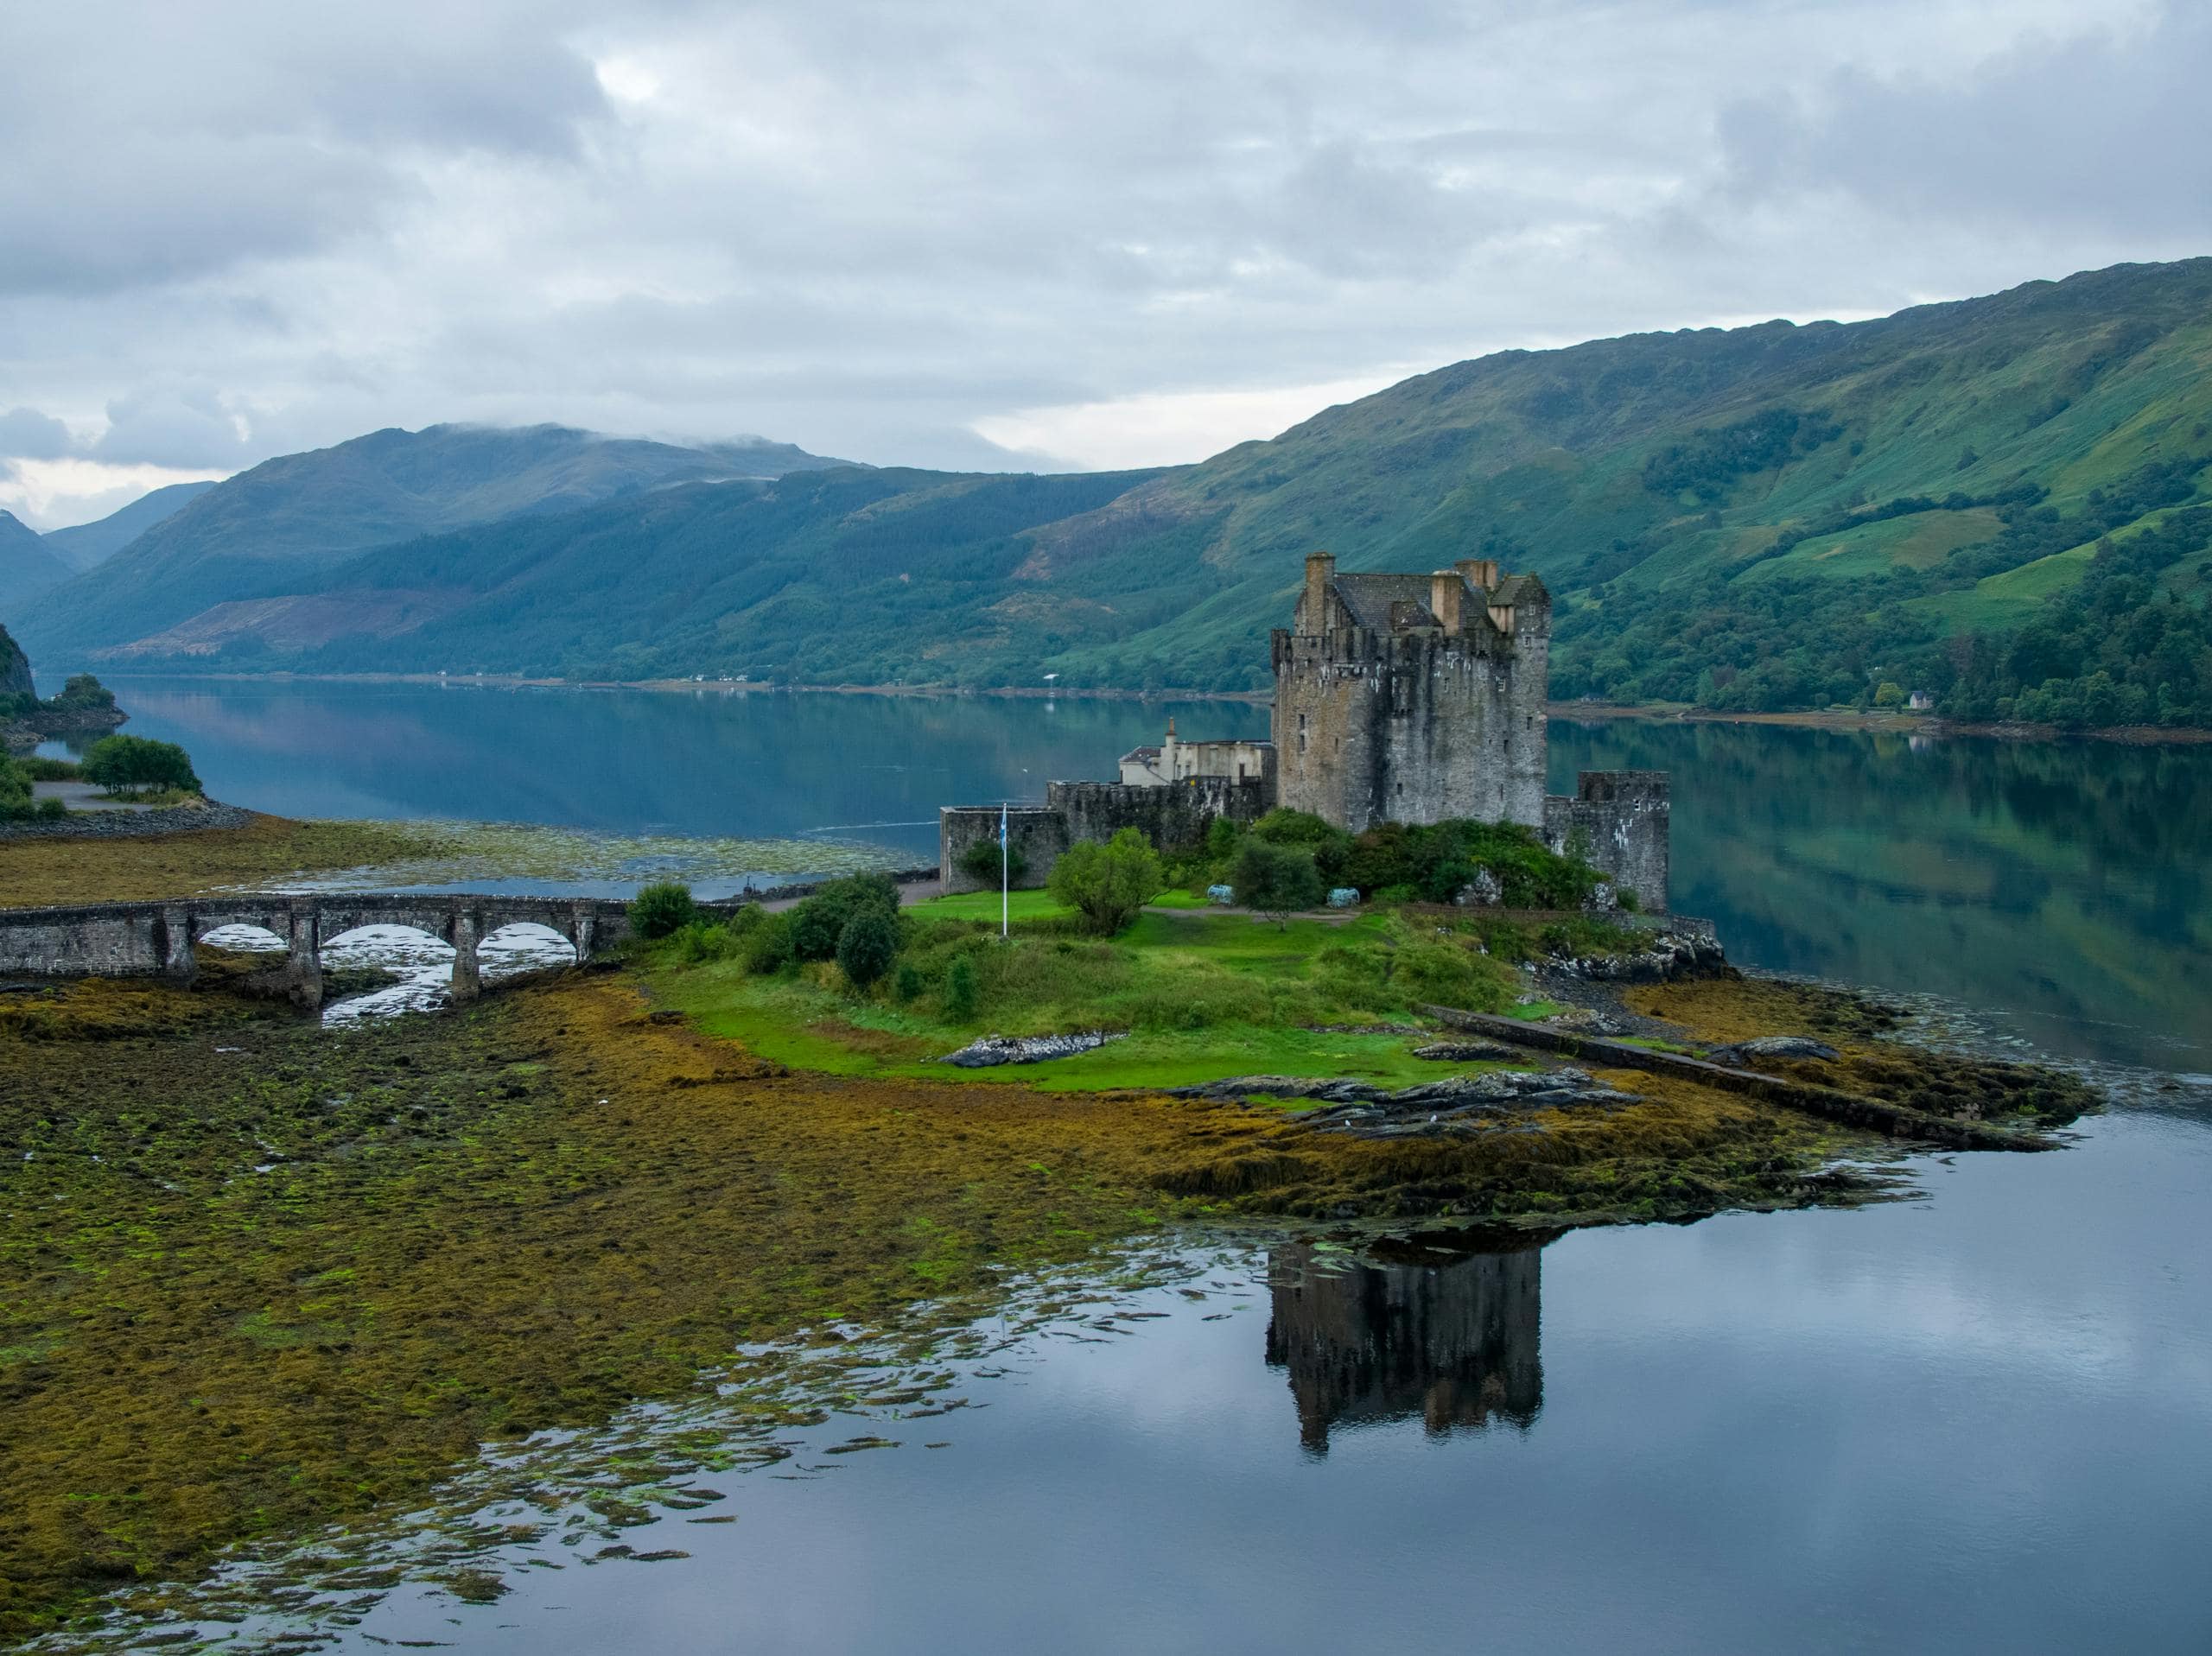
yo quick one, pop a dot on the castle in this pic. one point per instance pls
(1399, 698)
(1413, 698)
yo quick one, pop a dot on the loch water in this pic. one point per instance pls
(1981, 1418)
(2065, 889)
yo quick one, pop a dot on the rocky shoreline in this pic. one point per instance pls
(130, 825)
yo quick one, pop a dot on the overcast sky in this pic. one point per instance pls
(1000, 232)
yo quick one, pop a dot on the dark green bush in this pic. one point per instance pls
(819, 922)
(1277, 880)
(1221, 835)
(768, 944)
(1438, 859)
(1109, 884)
(980, 862)
(960, 990)
(40, 770)
(660, 910)
(706, 939)
(135, 762)
(907, 982)
(868, 946)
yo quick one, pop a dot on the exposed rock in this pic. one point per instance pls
(123, 825)
(1773, 1046)
(995, 1050)
(1603, 900)
(1483, 892)
(1669, 956)
(1468, 1052)
(1588, 1020)
(1454, 1103)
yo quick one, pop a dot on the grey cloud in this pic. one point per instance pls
(148, 144)
(2113, 131)
(182, 426)
(25, 433)
(864, 224)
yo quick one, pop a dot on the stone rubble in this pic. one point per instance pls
(1456, 1103)
(1672, 954)
(1773, 1046)
(995, 1050)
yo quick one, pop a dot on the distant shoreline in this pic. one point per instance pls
(1909, 724)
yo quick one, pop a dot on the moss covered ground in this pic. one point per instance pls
(35, 872)
(255, 1276)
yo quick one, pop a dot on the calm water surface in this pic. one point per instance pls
(1980, 1420)
(2066, 886)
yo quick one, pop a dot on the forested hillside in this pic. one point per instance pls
(2000, 504)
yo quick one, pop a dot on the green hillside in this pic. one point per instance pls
(1999, 502)
(271, 530)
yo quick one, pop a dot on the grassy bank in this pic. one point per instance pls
(1196, 996)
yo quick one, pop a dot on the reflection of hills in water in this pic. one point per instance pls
(1453, 1339)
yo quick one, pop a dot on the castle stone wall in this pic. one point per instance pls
(1438, 713)
(1623, 819)
(1174, 816)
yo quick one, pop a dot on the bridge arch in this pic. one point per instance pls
(516, 946)
(239, 937)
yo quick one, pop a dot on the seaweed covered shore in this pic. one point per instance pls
(258, 1278)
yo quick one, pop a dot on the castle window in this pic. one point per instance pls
(1301, 732)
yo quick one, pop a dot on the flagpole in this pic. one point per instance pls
(1006, 884)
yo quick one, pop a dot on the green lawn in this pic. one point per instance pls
(1197, 997)
(984, 905)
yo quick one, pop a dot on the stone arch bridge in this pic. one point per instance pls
(157, 939)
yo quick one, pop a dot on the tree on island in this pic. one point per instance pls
(1275, 880)
(1107, 883)
(868, 946)
(137, 764)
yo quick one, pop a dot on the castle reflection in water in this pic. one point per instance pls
(1451, 1338)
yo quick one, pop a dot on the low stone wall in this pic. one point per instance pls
(1622, 819)
(1039, 831)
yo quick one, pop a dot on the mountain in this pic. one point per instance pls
(28, 565)
(1998, 503)
(268, 530)
(83, 545)
(15, 670)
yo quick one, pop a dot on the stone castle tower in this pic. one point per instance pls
(1413, 698)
